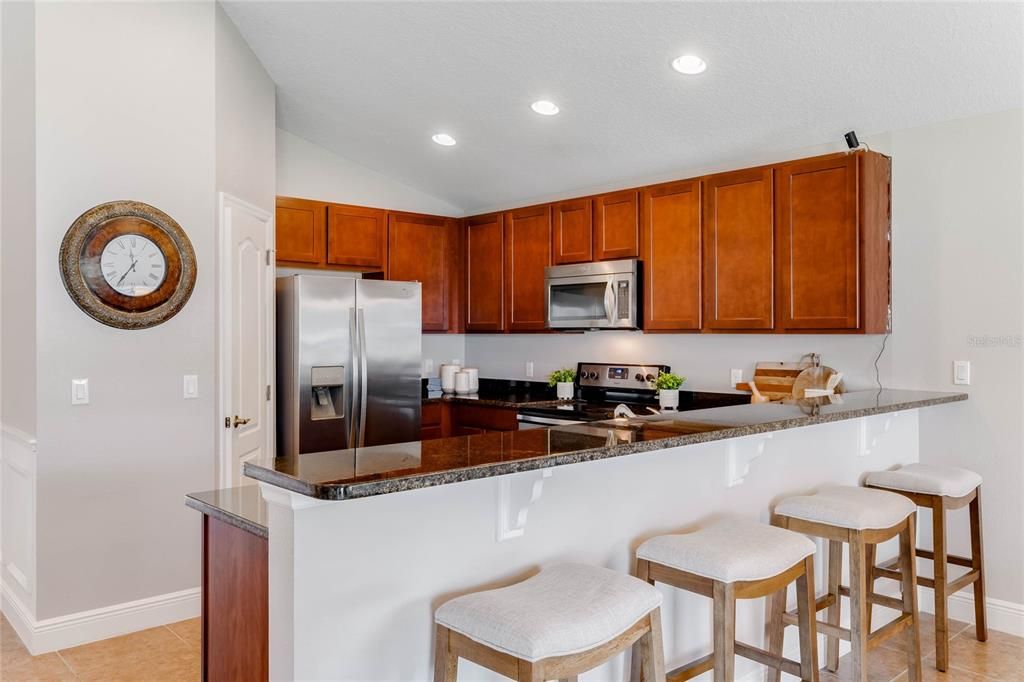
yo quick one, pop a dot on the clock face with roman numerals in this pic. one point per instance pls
(127, 264)
(133, 265)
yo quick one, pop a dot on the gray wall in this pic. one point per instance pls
(17, 218)
(112, 526)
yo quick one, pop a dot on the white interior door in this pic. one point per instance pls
(246, 336)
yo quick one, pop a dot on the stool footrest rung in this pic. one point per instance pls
(789, 618)
(954, 559)
(962, 582)
(952, 587)
(875, 598)
(765, 658)
(692, 669)
(889, 629)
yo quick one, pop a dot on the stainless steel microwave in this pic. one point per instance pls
(602, 295)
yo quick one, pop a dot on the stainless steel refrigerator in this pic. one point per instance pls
(348, 363)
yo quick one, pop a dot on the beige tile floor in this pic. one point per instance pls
(168, 653)
(171, 654)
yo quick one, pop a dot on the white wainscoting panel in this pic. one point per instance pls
(18, 524)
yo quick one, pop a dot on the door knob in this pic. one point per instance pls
(240, 421)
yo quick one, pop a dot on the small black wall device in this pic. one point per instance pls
(851, 140)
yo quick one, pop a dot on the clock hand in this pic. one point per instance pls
(126, 273)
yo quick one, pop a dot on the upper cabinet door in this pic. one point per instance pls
(738, 250)
(817, 241)
(485, 258)
(617, 226)
(418, 251)
(572, 232)
(527, 253)
(356, 236)
(671, 253)
(300, 231)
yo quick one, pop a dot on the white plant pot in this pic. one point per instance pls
(668, 400)
(565, 390)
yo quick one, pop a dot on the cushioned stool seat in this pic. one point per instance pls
(729, 551)
(929, 479)
(562, 610)
(849, 507)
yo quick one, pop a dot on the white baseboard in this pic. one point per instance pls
(73, 629)
(1003, 616)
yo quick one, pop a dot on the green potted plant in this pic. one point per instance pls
(668, 385)
(562, 380)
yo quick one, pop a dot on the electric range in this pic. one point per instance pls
(603, 387)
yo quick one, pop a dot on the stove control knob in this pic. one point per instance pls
(650, 377)
(639, 376)
(591, 375)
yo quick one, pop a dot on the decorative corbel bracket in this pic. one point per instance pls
(742, 452)
(512, 515)
(871, 429)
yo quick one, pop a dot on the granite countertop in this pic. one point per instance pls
(241, 507)
(384, 469)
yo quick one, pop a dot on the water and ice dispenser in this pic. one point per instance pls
(328, 399)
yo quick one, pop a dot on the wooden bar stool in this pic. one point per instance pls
(557, 624)
(730, 560)
(940, 489)
(861, 518)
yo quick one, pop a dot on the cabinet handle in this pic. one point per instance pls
(240, 421)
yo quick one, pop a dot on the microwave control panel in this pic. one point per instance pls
(632, 377)
(622, 303)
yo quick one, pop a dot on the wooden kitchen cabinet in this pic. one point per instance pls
(527, 253)
(818, 243)
(739, 251)
(357, 237)
(572, 232)
(485, 273)
(419, 251)
(299, 226)
(671, 252)
(617, 225)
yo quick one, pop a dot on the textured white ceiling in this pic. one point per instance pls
(373, 81)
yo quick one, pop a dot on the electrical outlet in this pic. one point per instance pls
(529, 370)
(735, 377)
(962, 372)
(79, 391)
(190, 388)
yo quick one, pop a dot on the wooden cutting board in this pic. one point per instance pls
(775, 379)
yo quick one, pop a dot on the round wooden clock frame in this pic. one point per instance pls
(83, 246)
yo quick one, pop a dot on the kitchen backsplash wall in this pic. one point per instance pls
(705, 359)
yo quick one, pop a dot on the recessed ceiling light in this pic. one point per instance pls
(443, 139)
(544, 107)
(690, 64)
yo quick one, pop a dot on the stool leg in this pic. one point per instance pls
(869, 558)
(908, 569)
(652, 650)
(978, 563)
(775, 630)
(446, 664)
(939, 562)
(725, 631)
(858, 609)
(528, 672)
(835, 576)
(808, 617)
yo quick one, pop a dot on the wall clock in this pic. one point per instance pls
(127, 264)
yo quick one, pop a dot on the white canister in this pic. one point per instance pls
(462, 385)
(669, 400)
(474, 378)
(565, 390)
(448, 377)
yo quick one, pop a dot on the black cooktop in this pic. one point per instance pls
(602, 407)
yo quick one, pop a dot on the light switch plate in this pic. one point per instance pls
(529, 370)
(191, 386)
(735, 377)
(79, 391)
(428, 367)
(962, 372)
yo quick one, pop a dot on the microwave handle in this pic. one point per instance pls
(609, 301)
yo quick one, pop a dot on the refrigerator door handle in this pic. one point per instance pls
(361, 323)
(354, 379)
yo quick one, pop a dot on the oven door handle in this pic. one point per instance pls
(609, 301)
